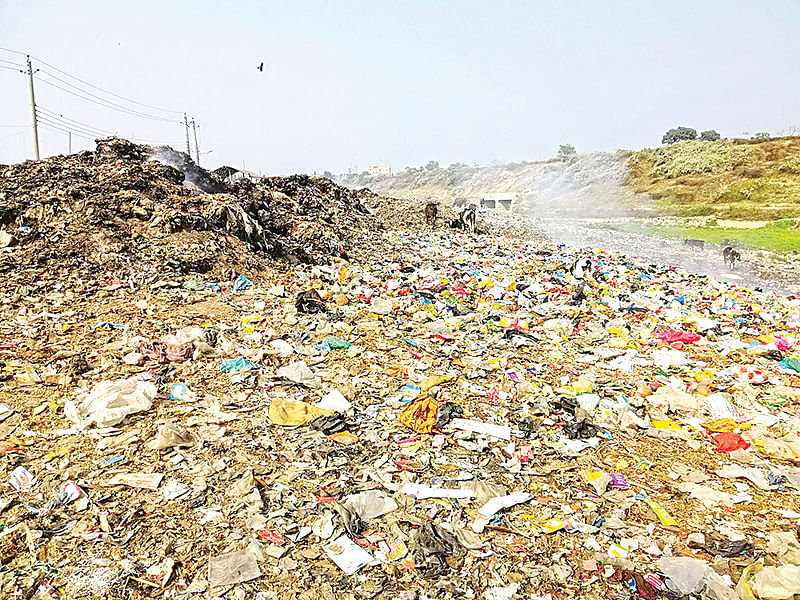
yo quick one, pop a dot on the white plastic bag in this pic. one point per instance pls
(109, 402)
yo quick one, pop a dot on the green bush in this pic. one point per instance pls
(679, 134)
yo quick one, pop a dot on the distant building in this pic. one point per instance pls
(379, 170)
(232, 175)
(499, 200)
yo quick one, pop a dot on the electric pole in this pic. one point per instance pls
(33, 112)
(69, 145)
(196, 147)
(186, 123)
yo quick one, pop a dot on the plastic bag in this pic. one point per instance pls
(684, 574)
(109, 402)
(232, 568)
(421, 416)
(777, 583)
(299, 372)
(728, 442)
(169, 436)
(292, 413)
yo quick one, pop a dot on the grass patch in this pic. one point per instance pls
(780, 236)
(730, 179)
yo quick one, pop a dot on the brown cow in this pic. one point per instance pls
(431, 212)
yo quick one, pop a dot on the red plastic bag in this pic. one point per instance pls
(673, 335)
(728, 442)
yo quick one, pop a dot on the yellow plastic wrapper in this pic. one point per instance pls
(661, 512)
(433, 380)
(667, 424)
(721, 425)
(582, 386)
(292, 413)
(421, 416)
(744, 587)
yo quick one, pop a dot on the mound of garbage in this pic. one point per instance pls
(441, 415)
(129, 208)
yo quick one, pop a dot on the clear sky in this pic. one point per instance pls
(347, 83)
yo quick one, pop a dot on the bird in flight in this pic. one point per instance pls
(261, 67)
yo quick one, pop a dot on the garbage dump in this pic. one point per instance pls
(126, 205)
(289, 390)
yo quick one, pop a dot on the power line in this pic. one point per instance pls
(54, 128)
(57, 122)
(13, 51)
(91, 85)
(105, 102)
(50, 121)
(106, 105)
(177, 112)
(66, 127)
(60, 117)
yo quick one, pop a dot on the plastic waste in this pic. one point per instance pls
(241, 283)
(299, 372)
(347, 555)
(170, 436)
(370, 504)
(233, 568)
(109, 402)
(236, 365)
(310, 302)
(684, 574)
(436, 549)
(777, 582)
(293, 413)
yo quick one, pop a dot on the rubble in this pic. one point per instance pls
(383, 409)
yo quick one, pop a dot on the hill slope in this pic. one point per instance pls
(731, 179)
(588, 184)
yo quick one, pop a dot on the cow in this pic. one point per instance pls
(730, 256)
(468, 218)
(694, 243)
(431, 212)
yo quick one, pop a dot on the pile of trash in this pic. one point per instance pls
(128, 209)
(438, 415)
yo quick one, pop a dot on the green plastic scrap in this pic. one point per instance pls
(234, 365)
(335, 343)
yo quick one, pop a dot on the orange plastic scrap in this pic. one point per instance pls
(721, 425)
(421, 416)
(345, 438)
(400, 372)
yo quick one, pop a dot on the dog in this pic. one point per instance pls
(581, 268)
(431, 212)
(730, 256)
(694, 243)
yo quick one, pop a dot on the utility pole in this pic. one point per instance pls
(33, 112)
(69, 146)
(196, 147)
(186, 123)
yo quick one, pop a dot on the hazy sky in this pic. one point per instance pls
(349, 83)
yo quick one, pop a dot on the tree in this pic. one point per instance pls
(761, 135)
(566, 150)
(679, 134)
(709, 136)
(432, 165)
(328, 174)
